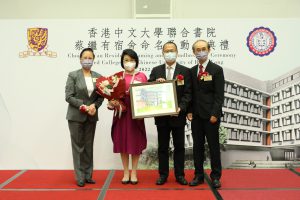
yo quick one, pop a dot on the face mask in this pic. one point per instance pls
(202, 55)
(87, 63)
(129, 66)
(170, 56)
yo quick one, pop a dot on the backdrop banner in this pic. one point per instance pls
(260, 60)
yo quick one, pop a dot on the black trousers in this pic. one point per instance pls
(202, 128)
(163, 149)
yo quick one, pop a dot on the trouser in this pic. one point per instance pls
(163, 149)
(82, 138)
(202, 128)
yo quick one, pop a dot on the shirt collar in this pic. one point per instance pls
(172, 66)
(205, 64)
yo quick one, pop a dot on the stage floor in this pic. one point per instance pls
(236, 184)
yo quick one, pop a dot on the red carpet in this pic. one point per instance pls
(6, 174)
(54, 179)
(298, 170)
(260, 194)
(236, 184)
(147, 179)
(49, 195)
(260, 178)
(159, 194)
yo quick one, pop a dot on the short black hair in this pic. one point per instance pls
(87, 49)
(132, 54)
(169, 42)
(208, 45)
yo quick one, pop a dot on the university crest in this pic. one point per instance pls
(37, 43)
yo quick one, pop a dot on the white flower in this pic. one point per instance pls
(106, 91)
(103, 84)
(114, 78)
(116, 83)
(106, 82)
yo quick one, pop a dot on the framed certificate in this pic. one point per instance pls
(153, 99)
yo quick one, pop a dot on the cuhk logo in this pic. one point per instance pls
(37, 43)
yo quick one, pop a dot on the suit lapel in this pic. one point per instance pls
(195, 75)
(94, 76)
(176, 72)
(195, 71)
(207, 69)
(163, 71)
(82, 81)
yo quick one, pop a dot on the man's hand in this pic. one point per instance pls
(161, 80)
(189, 116)
(213, 119)
(176, 115)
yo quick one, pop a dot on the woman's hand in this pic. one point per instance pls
(92, 109)
(114, 103)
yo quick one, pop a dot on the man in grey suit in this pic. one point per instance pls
(82, 115)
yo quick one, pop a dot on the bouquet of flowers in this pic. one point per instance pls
(113, 88)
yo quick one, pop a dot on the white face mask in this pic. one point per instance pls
(170, 56)
(129, 66)
(202, 55)
(87, 63)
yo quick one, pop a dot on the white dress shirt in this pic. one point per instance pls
(172, 70)
(89, 85)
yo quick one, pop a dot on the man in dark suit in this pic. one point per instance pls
(171, 70)
(205, 112)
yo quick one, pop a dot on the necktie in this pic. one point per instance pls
(169, 76)
(200, 71)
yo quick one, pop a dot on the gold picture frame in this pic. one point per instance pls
(153, 99)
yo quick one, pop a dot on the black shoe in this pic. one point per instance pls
(134, 182)
(161, 180)
(216, 183)
(80, 183)
(181, 180)
(125, 182)
(196, 181)
(90, 181)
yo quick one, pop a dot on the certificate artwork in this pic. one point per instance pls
(150, 99)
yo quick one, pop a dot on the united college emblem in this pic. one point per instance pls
(37, 43)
